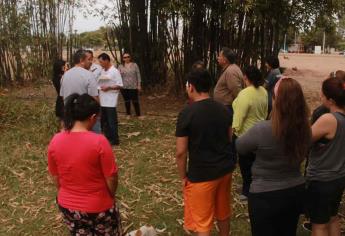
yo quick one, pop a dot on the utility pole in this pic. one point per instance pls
(324, 42)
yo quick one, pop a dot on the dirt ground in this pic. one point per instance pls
(310, 70)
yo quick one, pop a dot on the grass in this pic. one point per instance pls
(149, 190)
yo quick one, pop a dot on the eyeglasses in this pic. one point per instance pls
(126, 57)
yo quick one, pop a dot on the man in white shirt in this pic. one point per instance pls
(109, 85)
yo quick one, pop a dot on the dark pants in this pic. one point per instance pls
(131, 95)
(276, 212)
(231, 111)
(109, 124)
(246, 163)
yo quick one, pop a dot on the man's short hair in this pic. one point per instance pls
(89, 51)
(200, 79)
(273, 62)
(79, 56)
(104, 57)
(229, 55)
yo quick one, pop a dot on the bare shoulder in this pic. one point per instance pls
(327, 118)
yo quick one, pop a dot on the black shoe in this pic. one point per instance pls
(307, 226)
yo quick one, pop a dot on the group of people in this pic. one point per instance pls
(261, 124)
(80, 159)
(270, 146)
(102, 81)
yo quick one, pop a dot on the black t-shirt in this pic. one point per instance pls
(206, 124)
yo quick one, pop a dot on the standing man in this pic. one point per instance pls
(110, 83)
(230, 82)
(96, 70)
(203, 131)
(79, 79)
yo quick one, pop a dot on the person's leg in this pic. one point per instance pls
(320, 195)
(108, 223)
(97, 126)
(112, 124)
(334, 226)
(334, 223)
(104, 122)
(135, 100)
(291, 208)
(78, 223)
(260, 214)
(199, 206)
(245, 163)
(126, 97)
(320, 230)
(223, 204)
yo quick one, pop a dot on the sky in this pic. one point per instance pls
(82, 24)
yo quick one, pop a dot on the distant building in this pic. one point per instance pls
(296, 48)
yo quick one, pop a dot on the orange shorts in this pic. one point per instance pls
(205, 201)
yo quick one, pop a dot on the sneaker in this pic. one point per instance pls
(307, 226)
(243, 198)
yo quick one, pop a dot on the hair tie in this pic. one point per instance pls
(276, 87)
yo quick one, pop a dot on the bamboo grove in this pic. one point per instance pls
(164, 36)
(31, 37)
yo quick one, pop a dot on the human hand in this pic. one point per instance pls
(105, 88)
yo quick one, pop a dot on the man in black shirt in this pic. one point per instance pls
(203, 131)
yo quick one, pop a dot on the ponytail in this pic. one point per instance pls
(79, 108)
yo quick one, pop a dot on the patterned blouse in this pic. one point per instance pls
(130, 75)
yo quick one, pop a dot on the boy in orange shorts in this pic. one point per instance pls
(203, 131)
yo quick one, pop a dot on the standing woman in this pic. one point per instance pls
(326, 167)
(276, 194)
(250, 107)
(272, 65)
(131, 84)
(84, 171)
(59, 68)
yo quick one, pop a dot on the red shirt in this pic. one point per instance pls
(82, 161)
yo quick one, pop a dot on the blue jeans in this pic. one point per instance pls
(109, 124)
(97, 126)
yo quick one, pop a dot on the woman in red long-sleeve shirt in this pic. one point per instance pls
(83, 168)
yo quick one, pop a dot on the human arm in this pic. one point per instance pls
(116, 82)
(109, 167)
(241, 107)
(52, 166)
(324, 127)
(181, 155)
(249, 141)
(234, 82)
(137, 72)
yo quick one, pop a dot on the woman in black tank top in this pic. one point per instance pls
(326, 168)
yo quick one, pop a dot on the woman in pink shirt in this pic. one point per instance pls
(83, 168)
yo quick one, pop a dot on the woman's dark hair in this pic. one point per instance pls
(104, 57)
(198, 65)
(57, 68)
(290, 121)
(340, 74)
(200, 79)
(254, 75)
(273, 62)
(79, 108)
(334, 88)
(57, 74)
(229, 55)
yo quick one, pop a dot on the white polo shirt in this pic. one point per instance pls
(111, 77)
